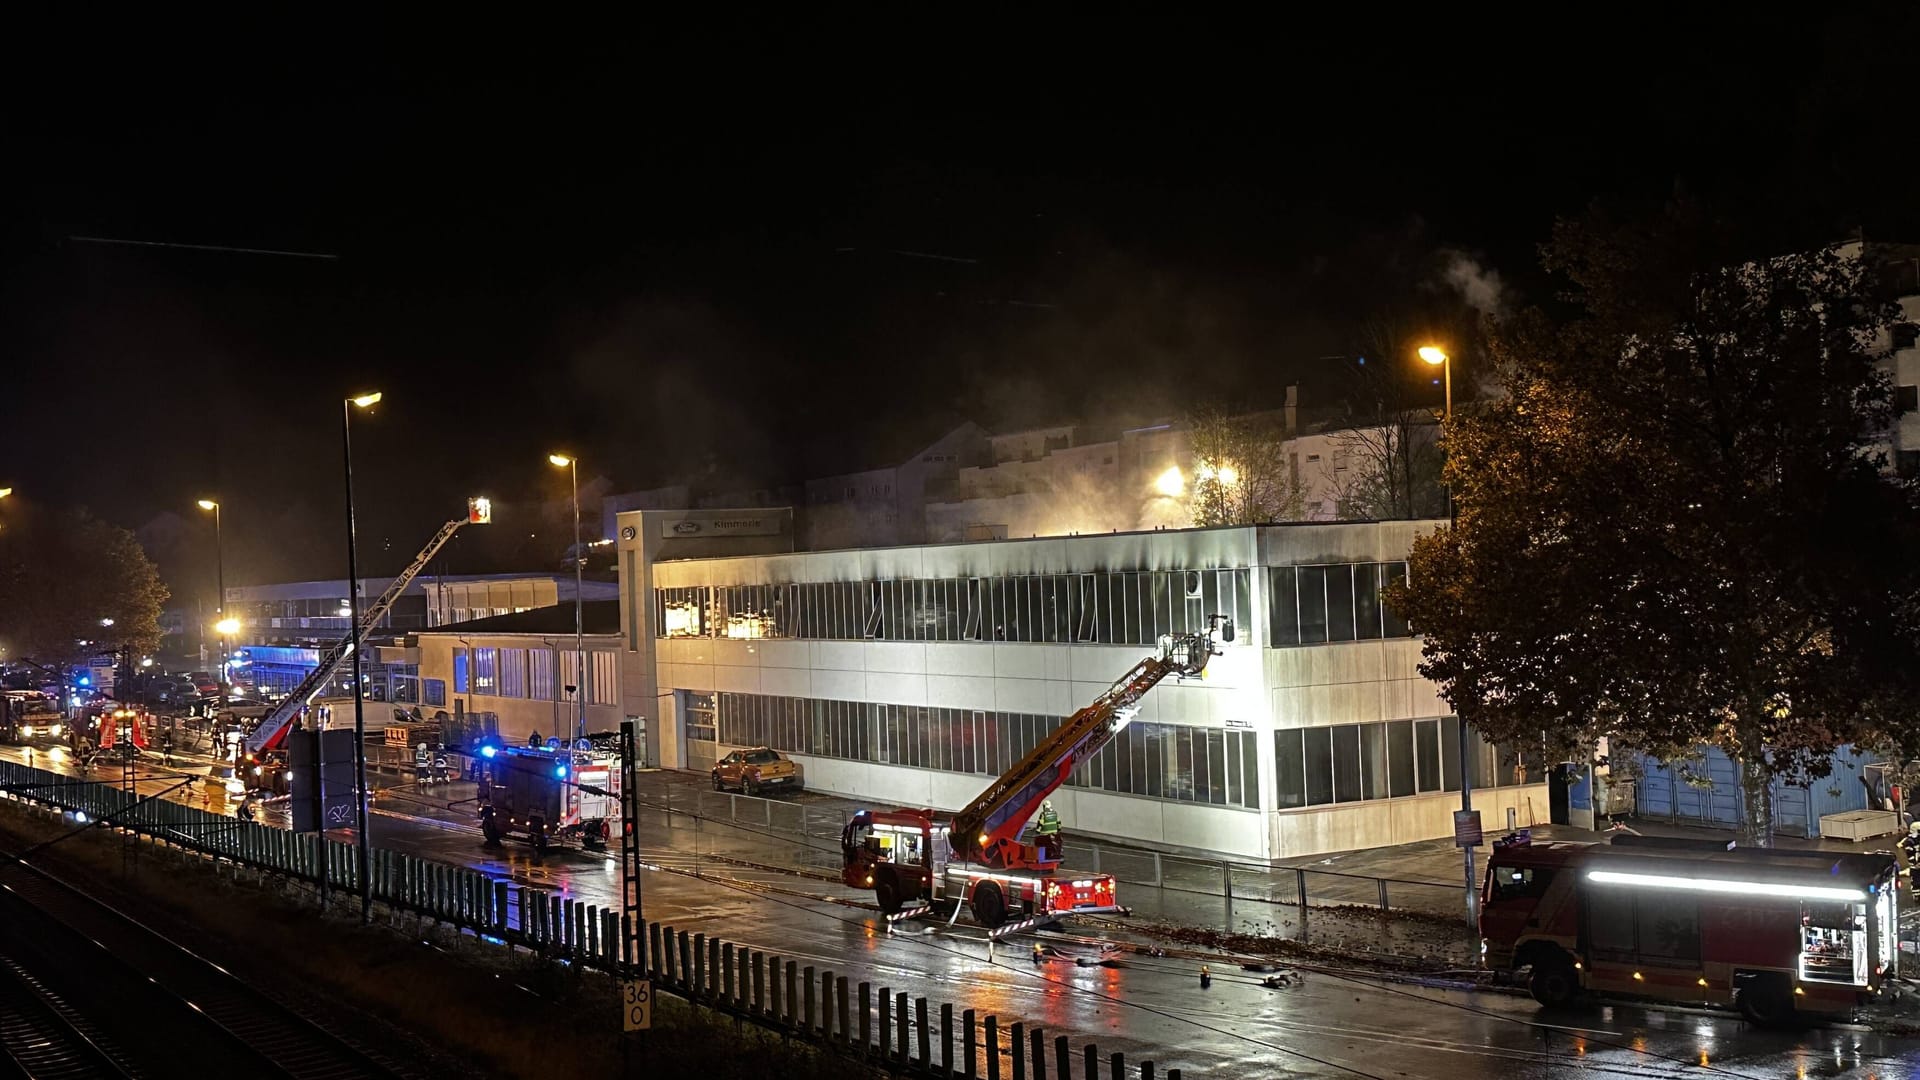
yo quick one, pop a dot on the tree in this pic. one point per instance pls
(1674, 530)
(1242, 474)
(67, 578)
(1390, 443)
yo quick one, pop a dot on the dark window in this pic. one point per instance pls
(1216, 763)
(1400, 758)
(1450, 753)
(1289, 770)
(1373, 760)
(1906, 399)
(1313, 604)
(1426, 750)
(1396, 625)
(1905, 335)
(1346, 764)
(1283, 613)
(1366, 601)
(1319, 766)
(1339, 603)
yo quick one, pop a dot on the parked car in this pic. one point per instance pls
(756, 770)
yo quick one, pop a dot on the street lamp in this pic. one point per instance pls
(572, 465)
(220, 583)
(1433, 354)
(4, 492)
(363, 401)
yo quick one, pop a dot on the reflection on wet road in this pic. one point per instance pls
(1150, 1008)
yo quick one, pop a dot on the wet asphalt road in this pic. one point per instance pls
(1149, 1008)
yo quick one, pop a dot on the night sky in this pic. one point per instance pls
(769, 251)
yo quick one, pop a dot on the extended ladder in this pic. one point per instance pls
(986, 828)
(274, 724)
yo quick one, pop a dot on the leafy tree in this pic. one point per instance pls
(1674, 529)
(67, 577)
(1242, 474)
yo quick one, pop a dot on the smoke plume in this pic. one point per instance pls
(1478, 285)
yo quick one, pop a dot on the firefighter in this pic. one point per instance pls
(1048, 832)
(166, 747)
(1910, 849)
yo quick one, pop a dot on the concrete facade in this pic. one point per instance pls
(910, 675)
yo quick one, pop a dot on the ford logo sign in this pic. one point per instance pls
(629, 533)
(687, 528)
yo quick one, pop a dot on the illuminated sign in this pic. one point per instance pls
(724, 525)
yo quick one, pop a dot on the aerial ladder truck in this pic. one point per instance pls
(914, 860)
(264, 751)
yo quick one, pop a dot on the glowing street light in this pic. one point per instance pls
(1172, 483)
(4, 492)
(572, 465)
(227, 627)
(365, 852)
(106, 622)
(1229, 475)
(1434, 354)
(220, 583)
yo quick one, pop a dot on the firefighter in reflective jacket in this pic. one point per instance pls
(1047, 832)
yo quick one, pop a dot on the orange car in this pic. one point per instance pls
(756, 770)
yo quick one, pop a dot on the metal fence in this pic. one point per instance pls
(1225, 879)
(881, 1028)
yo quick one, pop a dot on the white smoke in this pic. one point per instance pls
(1478, 285)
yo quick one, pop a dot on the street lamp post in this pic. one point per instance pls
(1433, 354)
(572, 465)
(220, 604)
(365, 851)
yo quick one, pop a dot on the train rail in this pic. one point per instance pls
(117, 998)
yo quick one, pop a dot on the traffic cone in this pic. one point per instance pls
(1206, 977)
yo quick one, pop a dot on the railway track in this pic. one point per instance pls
(86, 990)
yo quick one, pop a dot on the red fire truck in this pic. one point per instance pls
(1773, 932)
(912, 859)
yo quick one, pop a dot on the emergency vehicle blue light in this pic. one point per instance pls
(560, 771)
(489, 751)
(86, 680)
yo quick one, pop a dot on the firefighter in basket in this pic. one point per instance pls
(1046, 832)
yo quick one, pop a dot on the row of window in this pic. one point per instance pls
(1390, 760)
(1309, 605)
(531, 674)
(1158, 761)
(1115, 608)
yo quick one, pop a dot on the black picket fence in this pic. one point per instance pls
(881, 1028)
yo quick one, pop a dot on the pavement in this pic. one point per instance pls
(770, 890)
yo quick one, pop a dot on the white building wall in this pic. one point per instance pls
(1250, 687)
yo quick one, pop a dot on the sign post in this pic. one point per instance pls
(636, 1004)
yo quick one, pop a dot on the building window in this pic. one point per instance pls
(1160, 761)
(1308, 605)
(1113, 607)
(1906, 399)
(435, 692)
(606, 679)
(1393, 759)
(486, 671)
(540, 676)
(462, 683)
(513, 673)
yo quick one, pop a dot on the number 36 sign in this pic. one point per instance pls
(636, 1004)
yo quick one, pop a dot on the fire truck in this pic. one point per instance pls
(549, 793)
(977, 859)
(1775, 933)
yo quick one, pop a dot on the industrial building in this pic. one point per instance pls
(912, 675)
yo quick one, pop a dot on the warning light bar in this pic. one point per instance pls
(1722, 885)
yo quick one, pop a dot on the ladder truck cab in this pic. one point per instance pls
(977, 858)
(1776, 933)
(549, 794)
